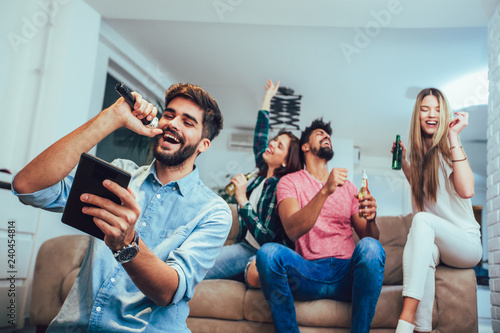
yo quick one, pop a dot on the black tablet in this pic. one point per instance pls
(90, 174)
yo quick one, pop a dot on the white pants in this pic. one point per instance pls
(431, 240)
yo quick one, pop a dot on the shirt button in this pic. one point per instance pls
(143, 224)
(158, 196)
(175, 188)
(113, 280)
(98, 309)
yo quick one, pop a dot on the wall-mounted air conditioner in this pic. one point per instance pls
(240, 141)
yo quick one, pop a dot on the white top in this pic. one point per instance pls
(449, 205)
(254, 201)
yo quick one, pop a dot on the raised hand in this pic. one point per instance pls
(131, 118)
(337, 177)
(459, 123)
(271, 90)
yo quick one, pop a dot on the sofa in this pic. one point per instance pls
(229, 306)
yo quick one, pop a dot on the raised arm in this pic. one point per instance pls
(298, 221)
(462, 175)
(57, 161)
(271, 90)
(261, 133)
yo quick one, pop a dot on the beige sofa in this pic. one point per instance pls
(228, 306)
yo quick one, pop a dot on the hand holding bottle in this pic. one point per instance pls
(231, 187)
(240, 183)
(403, 150)
(367, 207)
(405, 165)
(367, 203)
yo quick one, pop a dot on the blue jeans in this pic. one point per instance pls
(231, 261)
(284, 276)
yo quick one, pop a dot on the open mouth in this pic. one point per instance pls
(171, 138)
(269, 151)
(431, 122)
(326, 142)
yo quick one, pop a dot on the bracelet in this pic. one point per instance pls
(455, 147)
(459, 160)
(243, 204)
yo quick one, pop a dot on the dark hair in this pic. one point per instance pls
(292, 157)
(306, 134)
(212, 117)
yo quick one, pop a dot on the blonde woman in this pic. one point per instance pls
(443, 228)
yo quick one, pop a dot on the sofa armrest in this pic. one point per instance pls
(456, 300)
(57, 264)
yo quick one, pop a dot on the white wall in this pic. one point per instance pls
(219, 163)
(493, 169)
(52, 81)
(47, 80)
(389, 187)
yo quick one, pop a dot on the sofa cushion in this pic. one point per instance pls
(221, 299)
(328, 313)
(393, 234)
(456, 300)
(67, 283)
(56, 258)
(210, 325)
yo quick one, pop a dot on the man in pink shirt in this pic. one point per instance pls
(319, 209)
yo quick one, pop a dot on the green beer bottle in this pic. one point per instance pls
(397, 154)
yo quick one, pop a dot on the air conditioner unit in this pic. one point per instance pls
(240, 141)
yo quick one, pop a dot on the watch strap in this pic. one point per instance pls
(134, 244)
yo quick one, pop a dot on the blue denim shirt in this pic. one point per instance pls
(184, 223)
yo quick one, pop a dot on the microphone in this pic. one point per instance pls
(123, 90)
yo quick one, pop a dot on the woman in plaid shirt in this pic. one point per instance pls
(258, 217)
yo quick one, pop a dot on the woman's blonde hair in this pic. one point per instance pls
(425, 166)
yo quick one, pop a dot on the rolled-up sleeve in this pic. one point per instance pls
(197, 254)
(52, 198)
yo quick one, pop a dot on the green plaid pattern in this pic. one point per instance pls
(264, 224)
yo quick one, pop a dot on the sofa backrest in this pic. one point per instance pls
(235, 228)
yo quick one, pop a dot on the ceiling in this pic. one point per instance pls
(359, 63)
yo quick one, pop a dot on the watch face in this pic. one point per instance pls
(127, 254)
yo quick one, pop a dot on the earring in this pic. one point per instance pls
(283, 165)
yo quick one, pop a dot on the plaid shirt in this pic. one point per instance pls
(264, 224)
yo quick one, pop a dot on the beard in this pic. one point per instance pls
(173, 159)
(325, 153)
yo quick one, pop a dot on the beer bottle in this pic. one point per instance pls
(363, 191)
(397, 154)
(230, 188)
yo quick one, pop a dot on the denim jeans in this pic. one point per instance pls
(231, 261)
(284, 276)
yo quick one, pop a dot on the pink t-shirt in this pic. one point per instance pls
(332, 234)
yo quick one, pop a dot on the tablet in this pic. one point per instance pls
(90, 174)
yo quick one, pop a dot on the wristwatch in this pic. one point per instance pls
(128, 252)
